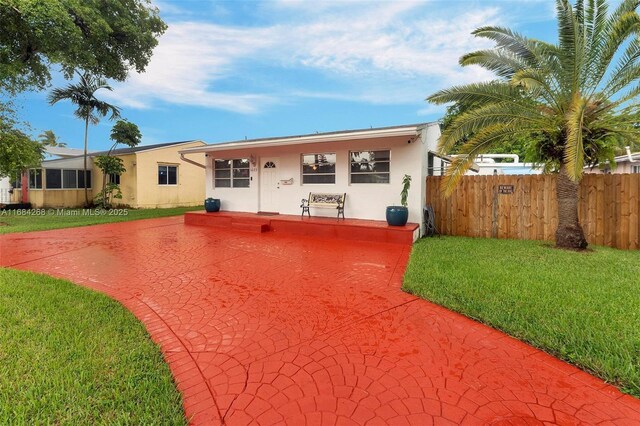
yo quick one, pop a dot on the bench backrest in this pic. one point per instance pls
(327, 199)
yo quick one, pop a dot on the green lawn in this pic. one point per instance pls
(581, 307)
(12, 222)
(69, 355)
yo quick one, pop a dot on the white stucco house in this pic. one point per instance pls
(275, 174)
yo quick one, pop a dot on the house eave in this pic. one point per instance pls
(408, 131)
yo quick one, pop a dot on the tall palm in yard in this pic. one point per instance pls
(580, 94)
(89, 108)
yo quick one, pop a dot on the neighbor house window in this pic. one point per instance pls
(53, 178)
(635, 169)
(231, 173)
(70, 178)
(84, 177)
(369, 166)
(167, 175)
(319, 168)
(35, 179)
(114, 178)
(66, 179)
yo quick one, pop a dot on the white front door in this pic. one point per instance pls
(269, 185)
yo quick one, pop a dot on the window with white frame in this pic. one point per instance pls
(319, 168)
(231, 173)
(114, 178)
(167, 175)
(635, 169)
(64, 179)
(369, 166)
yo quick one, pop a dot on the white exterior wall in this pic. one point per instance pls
(364, 201)
(5, 186)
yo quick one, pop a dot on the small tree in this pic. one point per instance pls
(404, 194)
(110, 190)
(126, 133)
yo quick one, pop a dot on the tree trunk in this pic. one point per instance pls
(86, 144)
(569, 234)
(104, 190)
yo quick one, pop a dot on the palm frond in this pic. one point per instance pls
(571, 45)
(481, 142)
(493, 91)
(104, 108)
(626, 71)
(618, 31)
(524, 116)
(574, 148)
(509, 41)
(537, 84)
(503, 63)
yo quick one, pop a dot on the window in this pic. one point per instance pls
(635, 169)
(167, 175)
(369, 166)
(114, 178)
(66, 179)
(53, 178)
(319, 168)
(231, 173)
(70, 178)
(81, 179)
(35, 179)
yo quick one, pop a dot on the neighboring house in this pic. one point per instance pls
(155, 176)
(628, 163)
(5, 190)
(7, 184)
(274, 174)
(487, 165)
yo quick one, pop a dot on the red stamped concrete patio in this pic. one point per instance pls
(272, 328)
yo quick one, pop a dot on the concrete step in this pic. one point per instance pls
(258, 227)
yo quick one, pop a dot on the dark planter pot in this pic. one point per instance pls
(212, 205)
(397, 215)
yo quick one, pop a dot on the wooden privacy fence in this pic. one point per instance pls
(524, 207)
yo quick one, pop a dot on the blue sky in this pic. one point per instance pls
(226, 70)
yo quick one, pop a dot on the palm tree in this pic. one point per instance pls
(48, 138)
(579, 93)
(89, 108)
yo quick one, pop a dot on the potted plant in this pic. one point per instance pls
(212, 205)
(398, 215)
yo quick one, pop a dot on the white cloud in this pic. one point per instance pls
(389, 53)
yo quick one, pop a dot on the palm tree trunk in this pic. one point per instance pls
(569, 234)
(86, 144)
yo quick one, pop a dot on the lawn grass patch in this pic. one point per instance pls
(582, 307)
(69, 355)
(12, 222)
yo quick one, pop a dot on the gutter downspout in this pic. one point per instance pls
(195, 163)
(629, 155)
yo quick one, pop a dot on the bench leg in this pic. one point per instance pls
(340, 212)
(305, 210)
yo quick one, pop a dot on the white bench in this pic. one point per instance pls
(324, 201)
